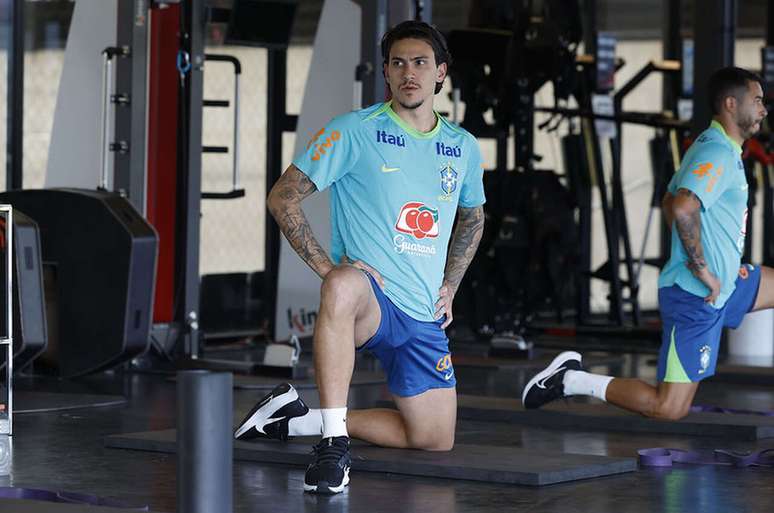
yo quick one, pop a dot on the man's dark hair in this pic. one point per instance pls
(412, 29)
(730, 81)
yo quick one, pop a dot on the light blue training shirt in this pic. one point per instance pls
(713, 170)
(394, 196)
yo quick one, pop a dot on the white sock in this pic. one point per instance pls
(585, 383)
(334, 421)
(306, 425)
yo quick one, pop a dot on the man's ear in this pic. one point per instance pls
(729, 102)
(442, 70)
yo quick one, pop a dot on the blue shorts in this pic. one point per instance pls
(692, 328)
(414, 354)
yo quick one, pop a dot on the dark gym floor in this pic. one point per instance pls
(64, 451)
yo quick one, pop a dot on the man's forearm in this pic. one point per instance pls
(467, 235)
(294, 225)
(689, 230)
(284, 204)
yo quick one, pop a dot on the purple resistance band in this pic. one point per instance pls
(663, 457)
(699, 408)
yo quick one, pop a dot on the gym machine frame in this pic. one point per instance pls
(6, 339)
(613, 208)
(236, 191)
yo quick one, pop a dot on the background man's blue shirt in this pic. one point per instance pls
(713, 170)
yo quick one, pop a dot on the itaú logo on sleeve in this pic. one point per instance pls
(418, 219)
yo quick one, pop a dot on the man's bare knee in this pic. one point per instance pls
(667, 410)
(341, 290)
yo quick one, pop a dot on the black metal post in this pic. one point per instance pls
(671, 39)
(714, 39)
(590, 30)
(611, 234)
(590, 27)
(672, 50)
(373, 25)
(524, 124)
(770, 23)
(275, 125)
(130, 110)
(577, 165)
(191, 174)
(15, 98)
(768, 173)
(621, 227)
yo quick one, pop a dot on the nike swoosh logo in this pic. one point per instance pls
(386, 169)
(542, 382)
(448, 376)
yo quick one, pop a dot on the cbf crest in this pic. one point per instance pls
(704, 358)
(449, 179)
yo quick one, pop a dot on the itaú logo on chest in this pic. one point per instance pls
(448, 151)
(418, 219)
(385, 138)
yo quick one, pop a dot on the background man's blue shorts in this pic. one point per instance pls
(692, 328)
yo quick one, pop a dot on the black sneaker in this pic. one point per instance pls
(329, 473)
(269, 418)
(547, 385)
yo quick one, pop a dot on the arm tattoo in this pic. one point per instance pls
(284, 203)
(467, 235)
(689, 230)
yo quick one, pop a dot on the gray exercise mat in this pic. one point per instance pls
(744, 374)
(43, 402)
(466, 462)
(605, 417)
